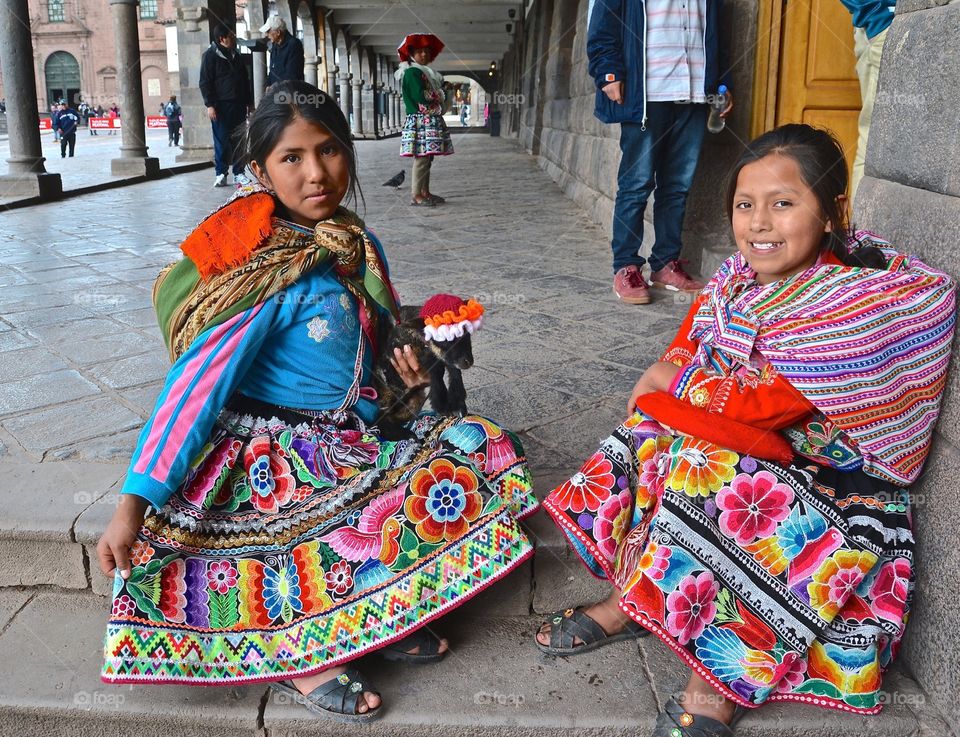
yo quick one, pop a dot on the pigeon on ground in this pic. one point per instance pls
(395, 181)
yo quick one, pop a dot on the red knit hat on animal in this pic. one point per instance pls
(447, 316)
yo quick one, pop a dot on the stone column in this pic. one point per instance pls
(26, 175)
(332, 79)
(345, 95)
(310, 70)
(133, 159)
(398, 107)
(368, 119)
(196, 144)
(358, 130)
(259, 69)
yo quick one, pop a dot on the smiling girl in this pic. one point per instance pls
(753, 510)
(284, 536)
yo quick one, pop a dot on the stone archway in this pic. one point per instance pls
(61, 74)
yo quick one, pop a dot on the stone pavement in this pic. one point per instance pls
(81, 362)
(91, 162)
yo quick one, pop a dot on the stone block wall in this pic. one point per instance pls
(910, 195)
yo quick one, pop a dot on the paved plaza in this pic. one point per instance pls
(81, 362)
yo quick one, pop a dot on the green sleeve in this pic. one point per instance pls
(413, 89)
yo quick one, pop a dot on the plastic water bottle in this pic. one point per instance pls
(715, 123)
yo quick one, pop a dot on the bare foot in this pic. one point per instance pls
(606, 613)
(444, 646)
(308, 683)
(700, 699)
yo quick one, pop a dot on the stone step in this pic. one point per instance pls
(51, 644)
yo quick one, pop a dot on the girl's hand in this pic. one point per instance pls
(408, 367)
(657, 378)
(113, 550)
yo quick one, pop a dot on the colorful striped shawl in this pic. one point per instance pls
(869, 348)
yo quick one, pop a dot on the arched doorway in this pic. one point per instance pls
(62, 74)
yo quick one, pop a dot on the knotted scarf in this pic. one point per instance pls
(242, 255)
(868, 347)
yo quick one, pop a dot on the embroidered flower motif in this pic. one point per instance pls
(318, 329)
(141, 553)
(889, 590)
(444, 501)
(692, 606)
(700, 467)
(281, 591)
(613, 523)
(752, 506)
(269, 474)
(587, 488)
(655, 560)
(339, 578)
(653, 463)
(123, 606)
(837, 580)
(221, 576)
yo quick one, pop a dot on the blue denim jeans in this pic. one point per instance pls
(662, 158)
(230, 116)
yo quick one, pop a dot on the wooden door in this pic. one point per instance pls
(806, 48)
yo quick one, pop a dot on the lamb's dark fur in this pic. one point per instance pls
(399, 405)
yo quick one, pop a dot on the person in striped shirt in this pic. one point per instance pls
(656, 65)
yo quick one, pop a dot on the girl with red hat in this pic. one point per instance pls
(425, 134)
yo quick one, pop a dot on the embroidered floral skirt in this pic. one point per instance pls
(425, 134)
(301, 541)
(772, 583)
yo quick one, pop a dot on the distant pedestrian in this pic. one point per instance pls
(172, 112)
(286, 52)
(113, 113)
(68, 120)
(54, 113)
(464, 112)
(227, 96)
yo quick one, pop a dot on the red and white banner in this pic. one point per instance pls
(156, 121)
(46, 124)
(104, 123)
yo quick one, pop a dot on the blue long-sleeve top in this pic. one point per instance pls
(873, 16)
(297, 349)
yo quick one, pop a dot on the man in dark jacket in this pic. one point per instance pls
(286, 52)
(226, 94)
(67, 122)
(657, 64)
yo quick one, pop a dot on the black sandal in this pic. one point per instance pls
(422, 203)
(675, 722)
(331, 698)
(567, 625)
(428, 643)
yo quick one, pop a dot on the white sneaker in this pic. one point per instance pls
(241, 179)
(220, 181)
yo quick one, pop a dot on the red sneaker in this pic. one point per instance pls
(629, 286)
(673, 277)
